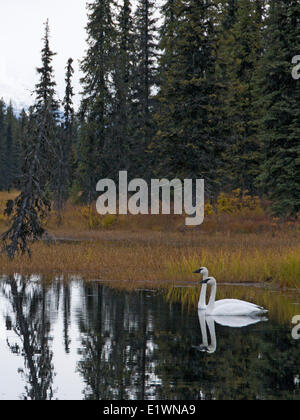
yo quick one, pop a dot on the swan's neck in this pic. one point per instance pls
(202, 299)
(211, 303)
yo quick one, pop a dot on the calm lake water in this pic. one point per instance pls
(80, 340)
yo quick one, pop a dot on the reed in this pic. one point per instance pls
(279, 267)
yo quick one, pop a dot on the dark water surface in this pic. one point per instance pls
(81, 340)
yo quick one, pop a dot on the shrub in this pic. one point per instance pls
(108, 220)
(91, 218)
(238, 202)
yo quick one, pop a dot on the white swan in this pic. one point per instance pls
(225, 307)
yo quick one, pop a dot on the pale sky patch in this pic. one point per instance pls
(21, 32)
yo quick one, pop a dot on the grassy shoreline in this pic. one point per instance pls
(165, 259)
(237, 248)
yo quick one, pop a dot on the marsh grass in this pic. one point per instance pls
(281, 306)
(279, 267)
(164, 259)
(246, 246)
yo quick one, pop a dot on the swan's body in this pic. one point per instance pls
(234, 308)
(230, 307)
(225, 307)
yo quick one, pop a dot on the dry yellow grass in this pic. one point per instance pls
(270, 262)
(159, 250)
(166, 258)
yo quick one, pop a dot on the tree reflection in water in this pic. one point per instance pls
(138, 345)
(116, 345)
(29, 320)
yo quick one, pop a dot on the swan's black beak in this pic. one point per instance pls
(204, 281)
(197, 271)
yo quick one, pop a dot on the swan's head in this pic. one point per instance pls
(209, 281)
(203, 271)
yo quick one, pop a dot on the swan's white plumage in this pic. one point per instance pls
(234, 308)
(234, 302)
(225, 307)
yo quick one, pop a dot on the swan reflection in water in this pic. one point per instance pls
(208, 322)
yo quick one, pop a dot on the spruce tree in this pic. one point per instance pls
(279, 100)
(9, 149)
(145, 81)
(167, 33)
(68, 100)
(123, 78)
(96, 98)
(29, 209)
(65, 145)
(23, 124)
(240, 49)
(188, 142)
(2, 144)
(45, 89)
(70, 129)
(229, 10)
